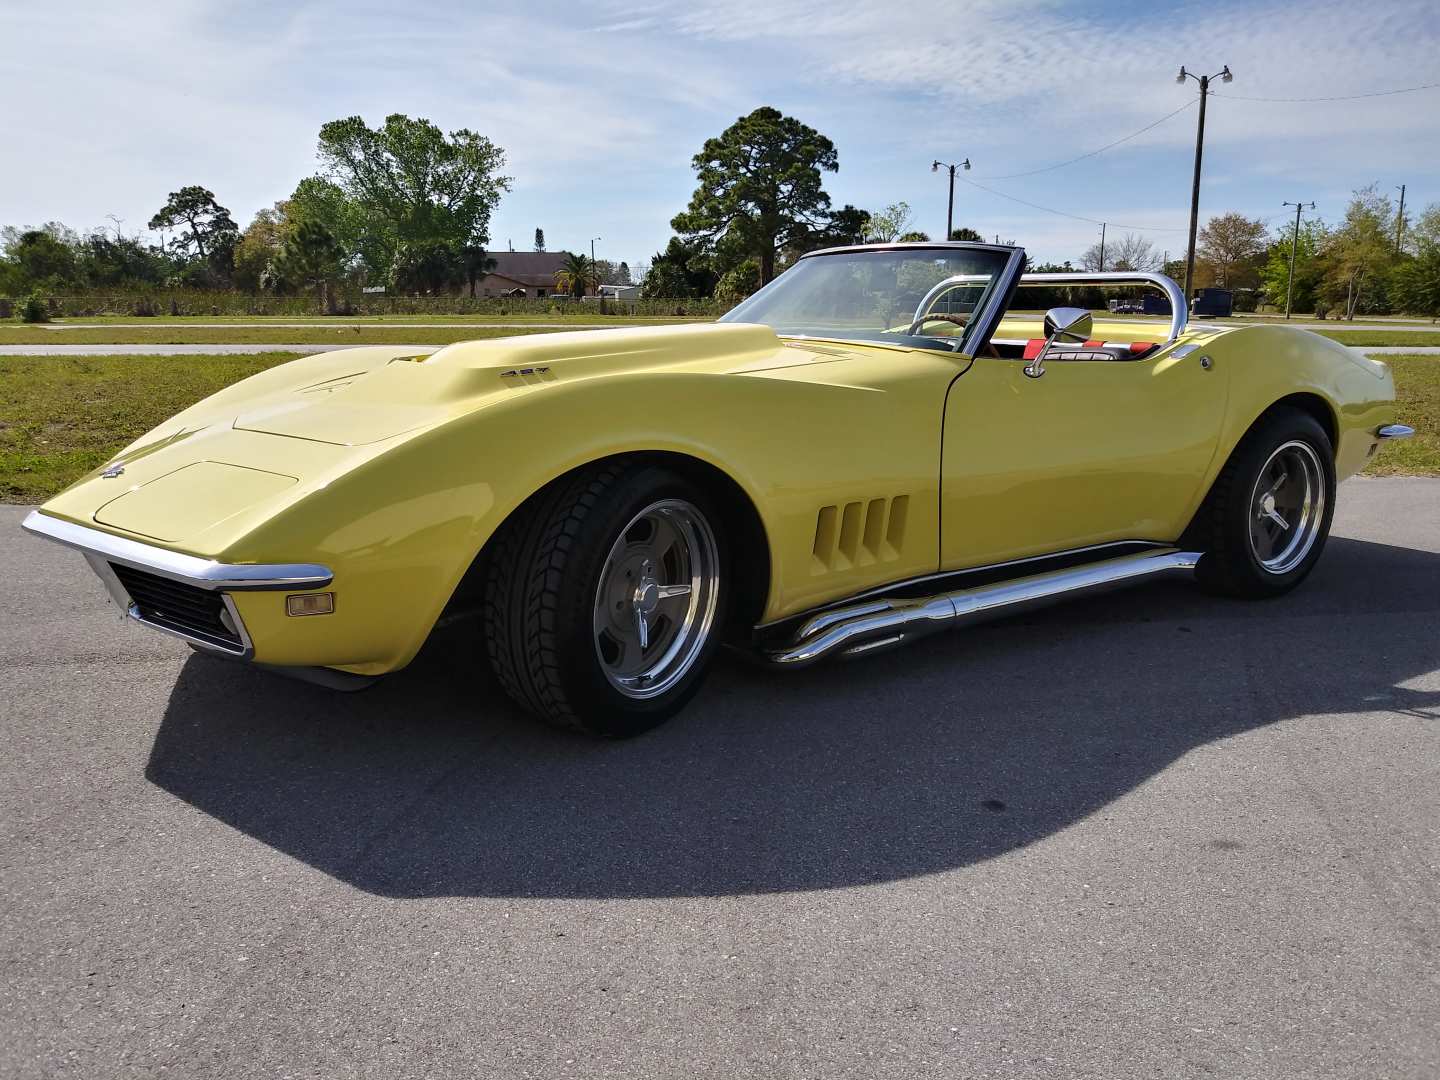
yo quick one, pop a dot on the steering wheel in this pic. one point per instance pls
(939, 289)
(958, 320)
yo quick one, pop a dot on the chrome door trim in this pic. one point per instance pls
(190, 569)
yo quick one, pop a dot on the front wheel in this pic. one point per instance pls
(605, 598)
(1266, 520)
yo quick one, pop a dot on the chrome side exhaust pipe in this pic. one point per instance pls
(879, 624)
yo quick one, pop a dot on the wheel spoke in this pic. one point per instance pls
(1274, 515)
(642, 629)
(666, 592)
(1284, 475)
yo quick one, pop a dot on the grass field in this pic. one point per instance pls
(566, 315)
(1380, 337)
(268, 335)
(1417, 399)
(60, 417)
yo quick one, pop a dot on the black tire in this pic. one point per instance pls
(1235, 561)
(542, 598)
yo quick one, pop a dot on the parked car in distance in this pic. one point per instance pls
(879, 444)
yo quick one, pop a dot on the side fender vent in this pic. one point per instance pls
(861, 533)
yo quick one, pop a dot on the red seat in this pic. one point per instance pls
(1098, 350)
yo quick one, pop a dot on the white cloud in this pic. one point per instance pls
(600, 109)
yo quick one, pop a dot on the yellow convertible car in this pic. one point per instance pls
(883, 442)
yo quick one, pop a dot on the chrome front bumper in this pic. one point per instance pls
(105, 550)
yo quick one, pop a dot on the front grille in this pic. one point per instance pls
(185, 609)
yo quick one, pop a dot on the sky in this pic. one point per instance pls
(105, 108)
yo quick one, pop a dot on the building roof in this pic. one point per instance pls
(534, 268)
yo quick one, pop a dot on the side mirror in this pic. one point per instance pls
(1061, 324)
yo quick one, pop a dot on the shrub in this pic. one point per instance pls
(34, 309)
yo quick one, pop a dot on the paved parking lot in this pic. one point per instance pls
(1152, 835)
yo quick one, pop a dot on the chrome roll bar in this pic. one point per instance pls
(1179, 314)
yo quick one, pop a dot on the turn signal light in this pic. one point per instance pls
(317, 603)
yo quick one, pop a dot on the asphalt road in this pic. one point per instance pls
(1152, 834)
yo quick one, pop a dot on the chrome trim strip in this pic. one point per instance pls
(203, 573)
(1395, 431)
(866, 627)
(881, 592)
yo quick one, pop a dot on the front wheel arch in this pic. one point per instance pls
(751, 568)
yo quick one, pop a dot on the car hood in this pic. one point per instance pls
(389, 395)
(227, 462)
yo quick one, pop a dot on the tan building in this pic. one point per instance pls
(522, 273)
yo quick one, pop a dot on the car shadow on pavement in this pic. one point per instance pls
(956, 750)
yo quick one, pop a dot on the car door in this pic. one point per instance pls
(1091, 452)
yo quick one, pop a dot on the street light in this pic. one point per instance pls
(1204, 80)
(1294, 242)
(593, 270)
(936, 166)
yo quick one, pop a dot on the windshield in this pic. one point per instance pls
(873, 295)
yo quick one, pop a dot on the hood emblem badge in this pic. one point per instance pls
(113, 471)
(513, 372)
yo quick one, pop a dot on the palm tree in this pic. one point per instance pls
(577, 276)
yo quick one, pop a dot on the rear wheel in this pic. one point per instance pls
(1266, 520)
(605, 597)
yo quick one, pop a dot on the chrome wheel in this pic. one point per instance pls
(1287, 506)
(656, 601)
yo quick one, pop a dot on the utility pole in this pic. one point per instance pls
(1204, 80)
(1400, 221)
(594, 271)
(1102, 246)
(936, 166)
(1294, 243)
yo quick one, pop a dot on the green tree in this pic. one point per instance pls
(417, 190)
(539, 239)
(965, 233)
(1275, 273)
(738, 282)
(848, 225)
(1360, 251)
(258, 247)
(889, 223)
(40, 260)
(577, 277)
(105, 262)
(915, 237)
(1417, 279)
(475, 263)
(309, 257)
(428, 267)
(1229, 250)
(323, 202)
(681, 271)
(622, 274)
(206, 234)
(759, 188)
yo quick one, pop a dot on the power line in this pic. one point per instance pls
(1342, 97)
(1092, 153)
(1064, 213)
